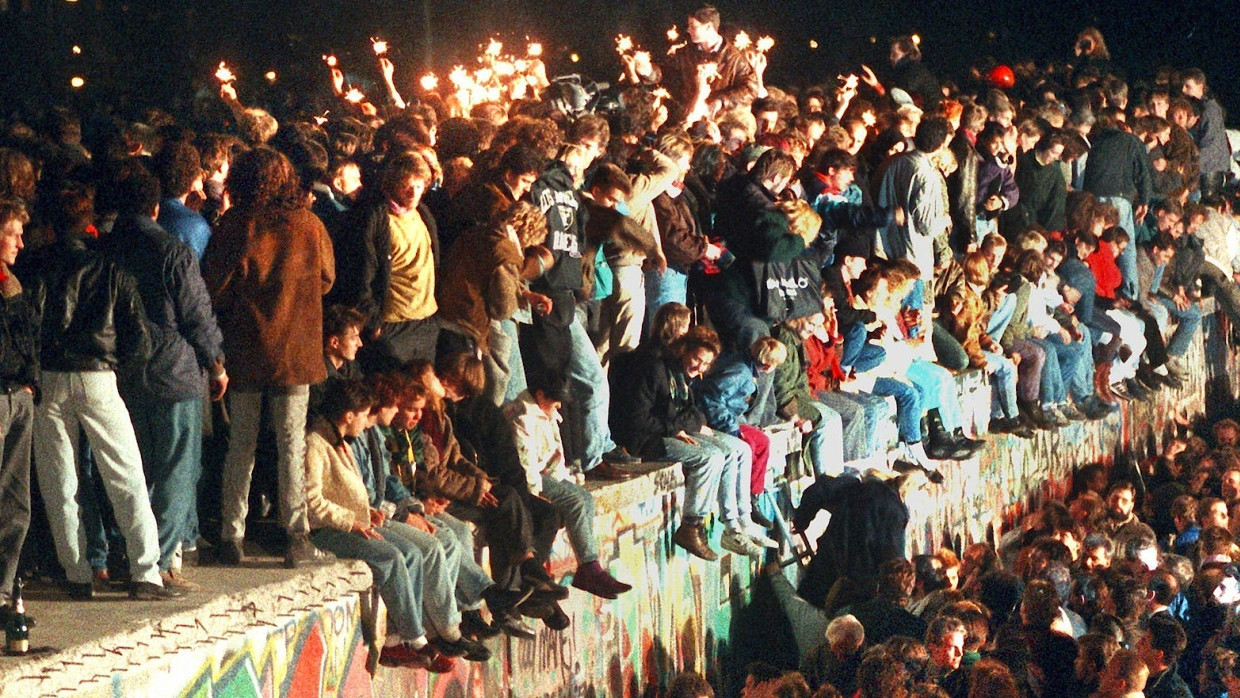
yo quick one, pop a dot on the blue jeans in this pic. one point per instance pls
(1003, 382)
(411, 570)
(858, 353)
(1127, 259)
(170, 438)
(703, 464)
(1051, 388)
(1076, 364)
(588, 384)
(859, 417)
(938, 392)
(471, 580)
(1188, 322)
(670, 287)
(908, 407)
(1001, 318)
(576, 507)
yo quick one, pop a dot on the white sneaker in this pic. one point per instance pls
(739, 543)
(758, 535)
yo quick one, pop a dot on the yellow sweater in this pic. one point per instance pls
(335, 494)
(411, 292)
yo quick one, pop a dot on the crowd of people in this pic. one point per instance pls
(439, 318)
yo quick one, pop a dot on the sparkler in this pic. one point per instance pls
(271, 76)
(867, 117)
(76, 82)
(354, 96)
(331, 61)
(224, 75)
(493, 48)
(624, 44)
(765, 44)
(916, 39)
(673, 34)
(77, 50)
(813, 44)
(429, 82)
(534, 50)
(742, 41)
(380, 46)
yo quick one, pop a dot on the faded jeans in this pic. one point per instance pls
(576, 508)
(288, 420)
(90, 401)
(588, 383)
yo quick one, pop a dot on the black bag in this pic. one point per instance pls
(788, 290)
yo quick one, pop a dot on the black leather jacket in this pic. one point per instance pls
(92, 315)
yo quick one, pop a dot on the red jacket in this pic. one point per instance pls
(1106, 272)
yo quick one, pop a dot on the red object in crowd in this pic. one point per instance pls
(1002, 77)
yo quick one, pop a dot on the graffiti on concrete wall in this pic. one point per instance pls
(317, 654)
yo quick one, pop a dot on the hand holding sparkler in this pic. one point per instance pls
(333, 65)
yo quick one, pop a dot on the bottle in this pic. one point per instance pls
(17, 631)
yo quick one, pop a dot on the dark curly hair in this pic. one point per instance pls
(264, 178)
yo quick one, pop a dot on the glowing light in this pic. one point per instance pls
(813, 44)
(380, 46)
(742, 41)
(224, 74)
(354, 96)
(916, 40)
(270, 75)
(624, 44)
(77, 50)
(493, 48)
(76, 82)
(535, 49)
(574, 57)
(765, 44)
(331, 61)
(429, 82)
(673, 34)
(867, 117)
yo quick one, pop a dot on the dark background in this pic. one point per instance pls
(158, 52)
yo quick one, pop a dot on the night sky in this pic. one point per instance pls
(152, 51)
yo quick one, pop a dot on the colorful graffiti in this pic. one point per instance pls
(318, 654)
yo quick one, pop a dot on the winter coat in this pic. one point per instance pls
(185, 339)
(651, 400)
(267, 273)
(481, 281)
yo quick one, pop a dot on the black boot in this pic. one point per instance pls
(1034, 416)
(940, 445)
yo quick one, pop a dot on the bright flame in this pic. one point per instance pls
(574, 57)
(505, 69)
(916, 39)
(460, 78)
(673, 34)
(379, 46)
(354, 96)
(535, 49)
(223, 74)
(76, 82)
(660, 94)
(868, 119)
(813, 43)
(330, 61)
(624, 44)
(77, 50)
(271, 76)
(493, 48)
(765, 44)
(742, 41)
(642, 56)
(429, 82)
(320, 120)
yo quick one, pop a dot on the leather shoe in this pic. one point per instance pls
(619, 456)
(475, 626)
(607, 471)
(148, 591)
(558, 620)
(230, 553)
(693, 539)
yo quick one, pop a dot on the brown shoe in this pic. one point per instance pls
(607, 471)
(692, 538)
(173, 579)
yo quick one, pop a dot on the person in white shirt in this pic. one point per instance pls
(535, 416)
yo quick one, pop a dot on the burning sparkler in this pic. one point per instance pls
(624, 44)
(224, 74)
(429, 82)
(380, 46)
